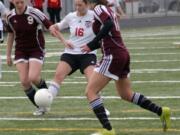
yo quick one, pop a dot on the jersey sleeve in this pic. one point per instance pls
(8, 24)
(40, 17)
(9, 28)
(101, 13)
(64, 23)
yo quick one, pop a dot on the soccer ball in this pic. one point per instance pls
(43, 98)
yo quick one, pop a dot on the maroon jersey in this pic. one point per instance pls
(115, 63)
(27, 29)
(113, 40)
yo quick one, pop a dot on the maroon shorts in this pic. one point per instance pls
(115, 65)
(26, 56)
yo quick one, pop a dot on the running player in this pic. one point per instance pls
(115, 65)
(80, 24)
(24, 26)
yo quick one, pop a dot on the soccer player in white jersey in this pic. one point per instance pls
(3, 12)
(80, 24)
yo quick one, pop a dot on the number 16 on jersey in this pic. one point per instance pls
(79, 32)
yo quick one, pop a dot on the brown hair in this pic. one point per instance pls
(103, 2)
(99, 2)
(85, 1)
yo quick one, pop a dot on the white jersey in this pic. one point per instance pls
(3, 9)
(115, 4)
(81, 31)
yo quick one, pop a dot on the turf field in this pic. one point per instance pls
(155, 64)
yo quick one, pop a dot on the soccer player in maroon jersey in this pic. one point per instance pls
(24, 27)
(115, 65)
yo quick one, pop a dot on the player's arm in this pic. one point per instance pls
(40, 17)
(55, 31)
(107, 25)
(95, 43)
(10, 40)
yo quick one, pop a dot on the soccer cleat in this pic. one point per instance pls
(165, 118)
(105, 132)
(41, 111)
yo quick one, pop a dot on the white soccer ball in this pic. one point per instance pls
(43, 98)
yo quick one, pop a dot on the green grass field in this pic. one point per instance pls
(155, 64)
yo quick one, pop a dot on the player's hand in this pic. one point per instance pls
(69, 45)
(53, 31)
(85, 49)
(9, 61)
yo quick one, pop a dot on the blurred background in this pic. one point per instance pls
(140, 12)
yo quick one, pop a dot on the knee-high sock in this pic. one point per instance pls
(99, 110)
(147, 104)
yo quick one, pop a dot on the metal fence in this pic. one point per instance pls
(150, 8)
(132, 8)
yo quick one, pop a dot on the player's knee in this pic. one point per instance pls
(34, 79)
(25, 83)
(59, 77)
(90, 93)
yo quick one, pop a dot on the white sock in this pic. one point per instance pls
(54, 88)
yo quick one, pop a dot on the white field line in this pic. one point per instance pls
(130, 48)
(83, 97)
(176, 43)
(151, 61)
(138, 71)
(147, 54)
(134, 61)
(4, 85)
(150, 48)
(52, 41)
(152, 38)
(80, 119)
(84, 82)
(132, 54)
(57, 54)
(150, 33)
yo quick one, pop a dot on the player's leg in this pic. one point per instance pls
(88, 72)
(23, 70)
(95, 85)
(34, 75)
(66, 66)
(124, 89)
(62, 70)
(57, 14)
(35, 67)
(88, 62)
